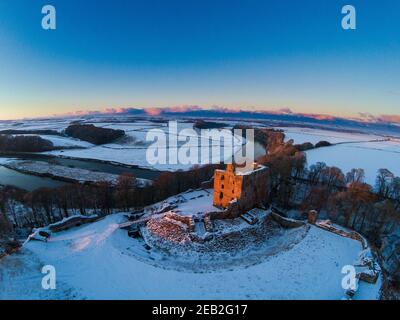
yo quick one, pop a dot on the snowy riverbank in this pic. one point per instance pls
(63, 173)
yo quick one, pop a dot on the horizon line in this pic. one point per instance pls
(363, 117)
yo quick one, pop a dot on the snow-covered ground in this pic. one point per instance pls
(36, 124)
(93, 262)
(4, 161)
(66, 142)
(132, 150)
(301, 135)
(352, 150)
(370, 156)
(188, 203)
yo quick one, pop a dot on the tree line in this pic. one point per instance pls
(48, 205)
(291, 180)
(344, 198)
(9, 143)
(93, 134)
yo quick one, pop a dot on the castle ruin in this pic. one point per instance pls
(245, 188)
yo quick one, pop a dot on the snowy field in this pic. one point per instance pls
(45, 124)
(351, 150)
(66, 142)
(370, 156)
(92, 262)
(301, 135)
(132, 149)
(189, 203)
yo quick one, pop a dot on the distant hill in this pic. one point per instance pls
(273, 119)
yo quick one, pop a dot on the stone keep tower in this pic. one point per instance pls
(248, 188)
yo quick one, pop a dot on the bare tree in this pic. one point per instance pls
(383, 182)
(315, 172)
(395, 192)
(125, 190)
(5, 225)
(45, 198)
(333, 177)
(355, 175)
(104, 196)
(350, 202)
(316, 198)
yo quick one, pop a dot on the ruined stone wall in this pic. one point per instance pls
(232, 212)
(186, 220)
(169, 229)
(227, 187)
(250, 189)
(254, 189)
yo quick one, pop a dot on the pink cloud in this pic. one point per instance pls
(153, 111)
(175, 109)
(156, 111)
(388, 118)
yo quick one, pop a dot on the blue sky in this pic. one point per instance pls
(239, 54)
